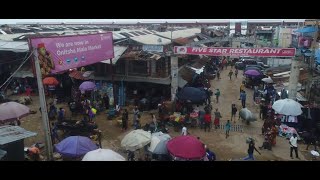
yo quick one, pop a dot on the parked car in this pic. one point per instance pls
(263, 65)
(256, 66)
(242, 64)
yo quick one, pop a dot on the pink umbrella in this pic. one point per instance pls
(252, 72)
(12, 111)
(187, 148)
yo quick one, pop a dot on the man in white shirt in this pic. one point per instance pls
(184, 131)
(293, 145)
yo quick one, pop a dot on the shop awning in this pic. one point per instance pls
(10, 134)
(118, 51)
(23, 74)
(14, 46)
(307, 30)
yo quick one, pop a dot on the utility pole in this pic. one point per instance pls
(43, 105)
(294, 77)
(174, 72)
(311, 62)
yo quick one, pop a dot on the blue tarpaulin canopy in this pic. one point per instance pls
(317, 55)
(307, 30)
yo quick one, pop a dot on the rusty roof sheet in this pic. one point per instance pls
(182, 41)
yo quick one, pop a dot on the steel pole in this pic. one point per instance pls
(45, 120)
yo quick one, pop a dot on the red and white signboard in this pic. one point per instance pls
(213, 51)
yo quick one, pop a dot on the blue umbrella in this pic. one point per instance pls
(75, 146)
(158, 144)
(192, 94)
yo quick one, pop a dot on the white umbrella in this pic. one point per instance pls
(267, 80)
(136, 139)
(12, 111)
(103, 155)
(158, 143)
(287, 107)
(247, 115)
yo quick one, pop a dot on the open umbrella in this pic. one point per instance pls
(195, 95)
(103, 155)
(87, 86)
(253, 68)
(267, 80)
(136, 139)
(247, 115)
(12, 111)
(158, 143)
(50, 81)
(252, 72)
(75, 146)
(186, 147)
(287, 107)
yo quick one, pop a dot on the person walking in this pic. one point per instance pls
(251, 149)
(227, 128)
(217, 117)
(230, 73)
(218, 74)
(61, 114)
(125, 117)
(201, 119)
(293, 145)
(184, 131)
(207, 121)
(233, 112)
(242, 86)
(154, 121)
(236, 73)
(243, 97)
(217, 95)
(136, 114)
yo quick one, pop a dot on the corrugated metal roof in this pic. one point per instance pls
(15, 46)
(117, 36)
(180, 34)
(2, 153)
(10, 134)
(151, 39)
(2, 32)
(118, 51)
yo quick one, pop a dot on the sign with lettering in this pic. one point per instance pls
(57, 54)
(213, 51)
(152, 48)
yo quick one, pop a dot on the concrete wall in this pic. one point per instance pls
(276, 62)
(285, 37)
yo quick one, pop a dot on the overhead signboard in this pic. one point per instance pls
(58, 54)
(152, 48)
(213, 51)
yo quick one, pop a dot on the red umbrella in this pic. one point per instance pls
(50, 81)
(186, 147)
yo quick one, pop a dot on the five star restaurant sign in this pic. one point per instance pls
(212, 51)
(58, 54)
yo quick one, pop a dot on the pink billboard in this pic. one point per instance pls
(213, 51)
(57, 54)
